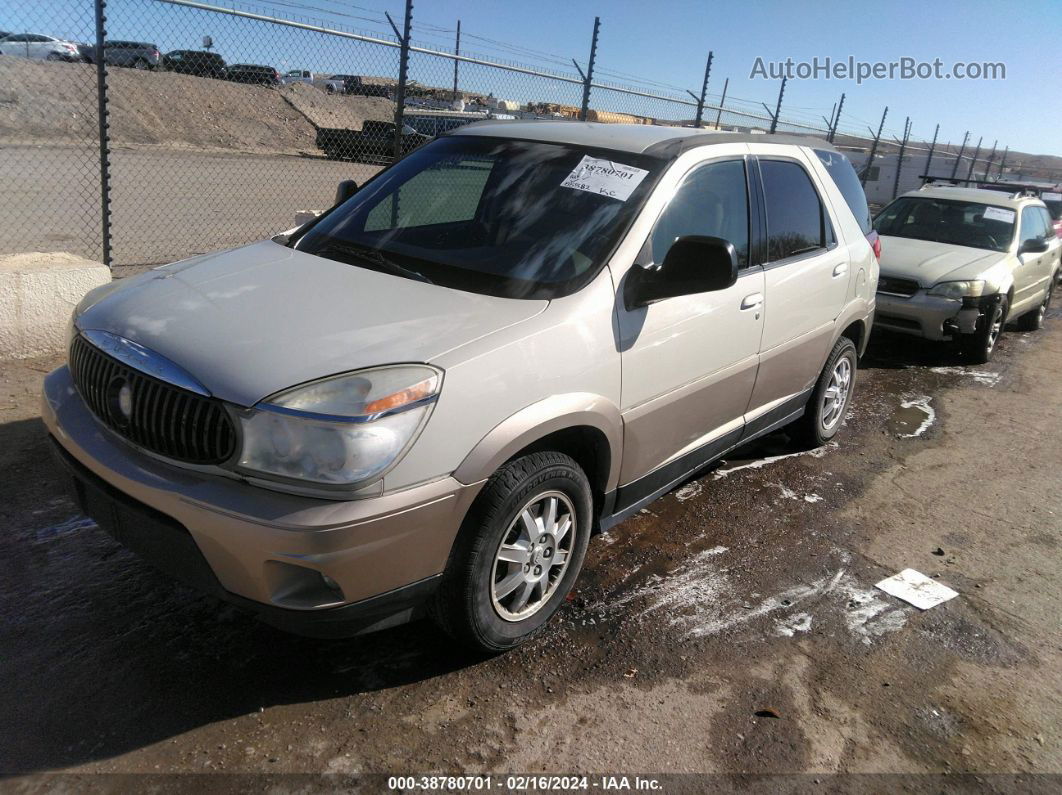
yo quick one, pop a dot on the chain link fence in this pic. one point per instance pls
(224, 121)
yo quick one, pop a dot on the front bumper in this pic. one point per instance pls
(927, 316)
(262, 550)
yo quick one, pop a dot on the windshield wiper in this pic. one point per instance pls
(373, 256)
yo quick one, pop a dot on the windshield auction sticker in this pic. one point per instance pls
(999, 214)
(605, 178)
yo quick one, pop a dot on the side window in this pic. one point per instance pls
(847, 182)
(1048, 223)
(796, 220)
(1032, 225)
(713, 200)
(417, 201)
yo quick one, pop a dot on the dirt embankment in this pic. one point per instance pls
(56, 103)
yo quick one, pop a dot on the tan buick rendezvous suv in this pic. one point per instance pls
(428, 399)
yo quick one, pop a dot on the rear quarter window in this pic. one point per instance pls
(847, 182)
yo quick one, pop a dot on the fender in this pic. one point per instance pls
(540, 419)
(860, 309)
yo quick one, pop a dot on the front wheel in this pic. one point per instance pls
(829, 399)
(518, 553)
(1034, 321)
(979, 346)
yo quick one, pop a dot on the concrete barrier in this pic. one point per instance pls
(37, 294)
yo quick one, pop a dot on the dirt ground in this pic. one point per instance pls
(733, 627)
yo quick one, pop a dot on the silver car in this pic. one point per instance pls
(40, 47)
(959, 263)
(428, 399)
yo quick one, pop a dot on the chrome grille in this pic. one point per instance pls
(901, 287)
(162, 418)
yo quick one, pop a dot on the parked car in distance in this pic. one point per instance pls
(358, 86)
(514, 337)
(374, 142)
(1053, 202)
(299, 76)
(336, 84)
(40, 47)
(252, 73)
(195, 62)
(135, 54)
(959, 263)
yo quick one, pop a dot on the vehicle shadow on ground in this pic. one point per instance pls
(102, 655)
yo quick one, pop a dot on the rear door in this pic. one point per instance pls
(1032, 272)
(806, 274)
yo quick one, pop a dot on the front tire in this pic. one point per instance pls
(830, 398)
(518, 554)
(979, 346)
(1034, 321)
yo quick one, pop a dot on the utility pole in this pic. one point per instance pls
(403, 72)
(836, 120)
(778, 106)
(973, 161)
(991, 157)
(899, 159)
(704, 91)
(589, 76)
(958, 157)
(873, 148)
(932, 146)
(1003, 161)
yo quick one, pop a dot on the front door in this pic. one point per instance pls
(689, 362)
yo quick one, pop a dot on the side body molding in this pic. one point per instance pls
(532, 423)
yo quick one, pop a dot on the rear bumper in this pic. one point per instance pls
(314, 566)
(925, 316)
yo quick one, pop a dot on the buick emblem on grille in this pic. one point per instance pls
(120, 401)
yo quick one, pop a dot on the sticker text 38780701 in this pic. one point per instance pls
(605, 178)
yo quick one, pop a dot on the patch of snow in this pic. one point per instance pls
(786, 628)
(985, 377)
(922, 404)
(689, 491)
(812, 498)
(818, 452)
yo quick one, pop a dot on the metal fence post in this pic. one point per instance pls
(457, 51)
(1003, 161)
(403, 71)
(778, 106)
(105, 149)
(704, 91)
(932, 146)
(899, 159)
(873, 149)
(836, 120)
(973, 160)
(991, 157)
(722, 101)
(958, 157)
(589, 76)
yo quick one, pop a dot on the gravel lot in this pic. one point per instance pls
(731, 628)
(166, 204)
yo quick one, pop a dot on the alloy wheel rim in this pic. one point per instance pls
(997, 326)
(533, 556)
(836, 395)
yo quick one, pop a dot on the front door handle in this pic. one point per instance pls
(840, 270)
(754, 301)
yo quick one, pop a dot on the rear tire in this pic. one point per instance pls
(518, 554)
(141, 64)
(979, 346)
(1034, 321)
(830, 398)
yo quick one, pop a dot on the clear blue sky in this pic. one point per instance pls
(667, 42)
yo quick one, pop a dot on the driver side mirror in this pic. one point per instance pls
(1036, 245)
(693, 264)
(346, 189)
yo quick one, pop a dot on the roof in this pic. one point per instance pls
(656, 141)
(983, 195)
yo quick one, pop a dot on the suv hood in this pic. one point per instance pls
(929, 262)
(252, 321)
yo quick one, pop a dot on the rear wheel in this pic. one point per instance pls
(1033, 321)
(54, 56)
(979, 346)
(141, 64)
(518, 553)
(830, 398)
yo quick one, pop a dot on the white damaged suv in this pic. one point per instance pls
(959, 263)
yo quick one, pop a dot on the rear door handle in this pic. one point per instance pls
(840, 270)
(754, 301)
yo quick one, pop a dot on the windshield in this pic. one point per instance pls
(951, 221)
(509, 218)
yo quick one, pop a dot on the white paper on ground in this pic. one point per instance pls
(999, 214)
(918, 589)
(605, 178)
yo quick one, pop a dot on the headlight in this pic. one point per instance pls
(958, 289)
(340, 431)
